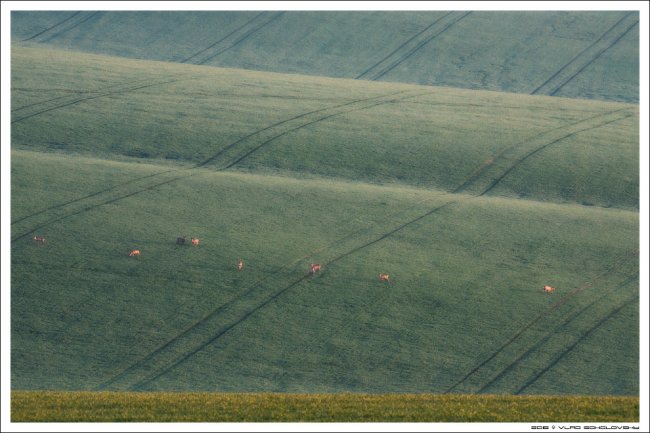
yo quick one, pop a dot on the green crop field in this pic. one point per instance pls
(578, 54)
(471, 200)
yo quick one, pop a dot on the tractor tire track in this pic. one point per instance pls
(584, 336)
(76, 101)
(550, 309)
(75, 94)
(52, 27)
(242, 38)
(392, 53)
(76, 24)
(222, 39)
(587, 56)
(456, 18)
(498, 167)
(97, 205)
(567, 320)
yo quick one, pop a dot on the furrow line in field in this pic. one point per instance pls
(585, 57)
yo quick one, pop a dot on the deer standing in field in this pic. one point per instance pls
(195, 241)
(240, 264)
(548, 289)
(134, 253)
(39, 240)
(314, 267)
(384, 277)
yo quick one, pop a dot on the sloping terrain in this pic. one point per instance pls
(470, 200)
(583, 54)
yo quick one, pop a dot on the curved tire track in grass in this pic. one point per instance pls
(587, 56)
(566, 351)
(244, 37)
(52, 27)
(75, 94)
(412, 51)
(76, 101)
(222, 39)
(509, 158)
(396, 50)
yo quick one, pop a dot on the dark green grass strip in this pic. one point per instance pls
(56, 406)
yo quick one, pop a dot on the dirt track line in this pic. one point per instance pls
(223, 39)
(94, 206)
(90, 98)
(576, 62)
(567, 320)
(51, 27)
(417, 47)
(243, 38)
(89, 196)
(537, 142)
(614, 42)
(566, 351)
(539, 149)
(400, 47)
(78, 23)
(259, 131)
(255, 149)
(542, 315)
(75, 94)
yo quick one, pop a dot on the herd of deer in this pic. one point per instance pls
(313, 268)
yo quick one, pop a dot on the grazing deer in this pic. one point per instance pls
(134, 253)
(195, 241)
(39, 239)
(314, 267)
(384, 277)
(549, 289)
(240, 264)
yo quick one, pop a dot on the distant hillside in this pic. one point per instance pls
(591, 55)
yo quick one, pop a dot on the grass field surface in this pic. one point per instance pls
(44, 406)
(577, 54)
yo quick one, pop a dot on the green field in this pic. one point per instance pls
(470, 200)
(41, 406)
(577, 54)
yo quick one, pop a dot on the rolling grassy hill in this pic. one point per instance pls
(471, 200)
(580, 54)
